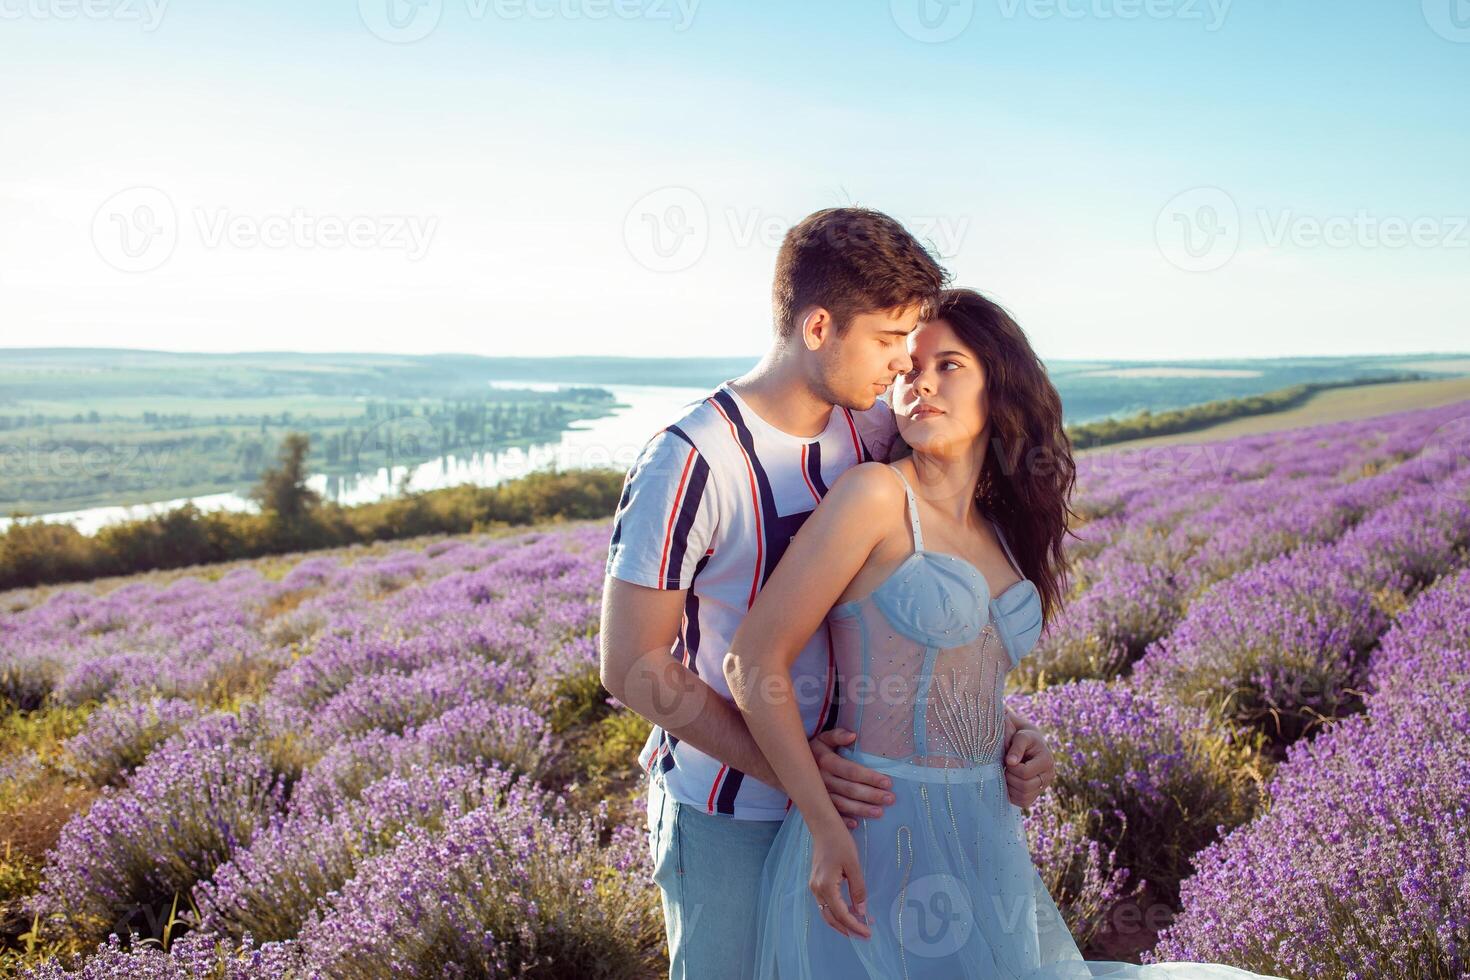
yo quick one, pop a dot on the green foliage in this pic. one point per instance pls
(1146, 424)
(579, 700)
(41, 731)
(282, 490)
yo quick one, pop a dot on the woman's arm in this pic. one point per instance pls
(821, 561)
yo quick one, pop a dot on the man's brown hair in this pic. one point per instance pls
(850, 261)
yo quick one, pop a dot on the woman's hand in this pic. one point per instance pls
(1030, 767)
(835, 858)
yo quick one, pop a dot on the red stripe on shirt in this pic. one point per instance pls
(710, 806)
(654, 760)
(674, 512)
(808, 479)
(857, 447)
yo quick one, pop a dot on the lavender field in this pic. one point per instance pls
(399, 761)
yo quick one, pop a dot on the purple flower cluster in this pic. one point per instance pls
(408, 692)
(1360, 867)
(517, 887)
(268, 888)
(1146, 774)
(193, 957)
(136, 854)
(1276, 647)
(119, 736)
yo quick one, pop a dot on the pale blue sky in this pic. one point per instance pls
(506, 173)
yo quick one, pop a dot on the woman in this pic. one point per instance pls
(935, 574)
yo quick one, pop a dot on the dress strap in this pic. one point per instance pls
(1006, 545)
(913, 508)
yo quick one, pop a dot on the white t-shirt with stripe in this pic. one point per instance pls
(709, 506)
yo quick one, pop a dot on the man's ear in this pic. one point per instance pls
(816, 327)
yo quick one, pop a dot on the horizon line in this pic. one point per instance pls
(694, 357)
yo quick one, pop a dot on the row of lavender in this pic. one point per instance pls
(1229, 612)
(352, 785)
(369, 806)
(1361, 865)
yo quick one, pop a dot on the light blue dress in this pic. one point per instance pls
(952, 890)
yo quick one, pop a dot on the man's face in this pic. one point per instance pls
(863, 362)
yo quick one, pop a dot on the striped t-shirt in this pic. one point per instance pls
(709, 506)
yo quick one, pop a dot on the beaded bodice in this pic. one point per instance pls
(922, 659)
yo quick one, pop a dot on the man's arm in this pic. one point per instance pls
(638, 629)
(639, 625)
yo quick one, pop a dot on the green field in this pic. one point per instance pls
(1337, 405)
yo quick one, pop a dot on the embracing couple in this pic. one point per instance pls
(818, 578)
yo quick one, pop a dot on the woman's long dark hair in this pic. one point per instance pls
(1027, 480)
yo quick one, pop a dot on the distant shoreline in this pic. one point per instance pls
(1335, 405)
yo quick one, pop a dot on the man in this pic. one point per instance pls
(706, 512)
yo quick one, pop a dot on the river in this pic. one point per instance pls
(611, 441)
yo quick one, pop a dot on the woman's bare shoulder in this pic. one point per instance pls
(866, 487)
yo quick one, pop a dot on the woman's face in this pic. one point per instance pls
(940, 402)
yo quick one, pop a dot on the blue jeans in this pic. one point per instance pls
(708, 869)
